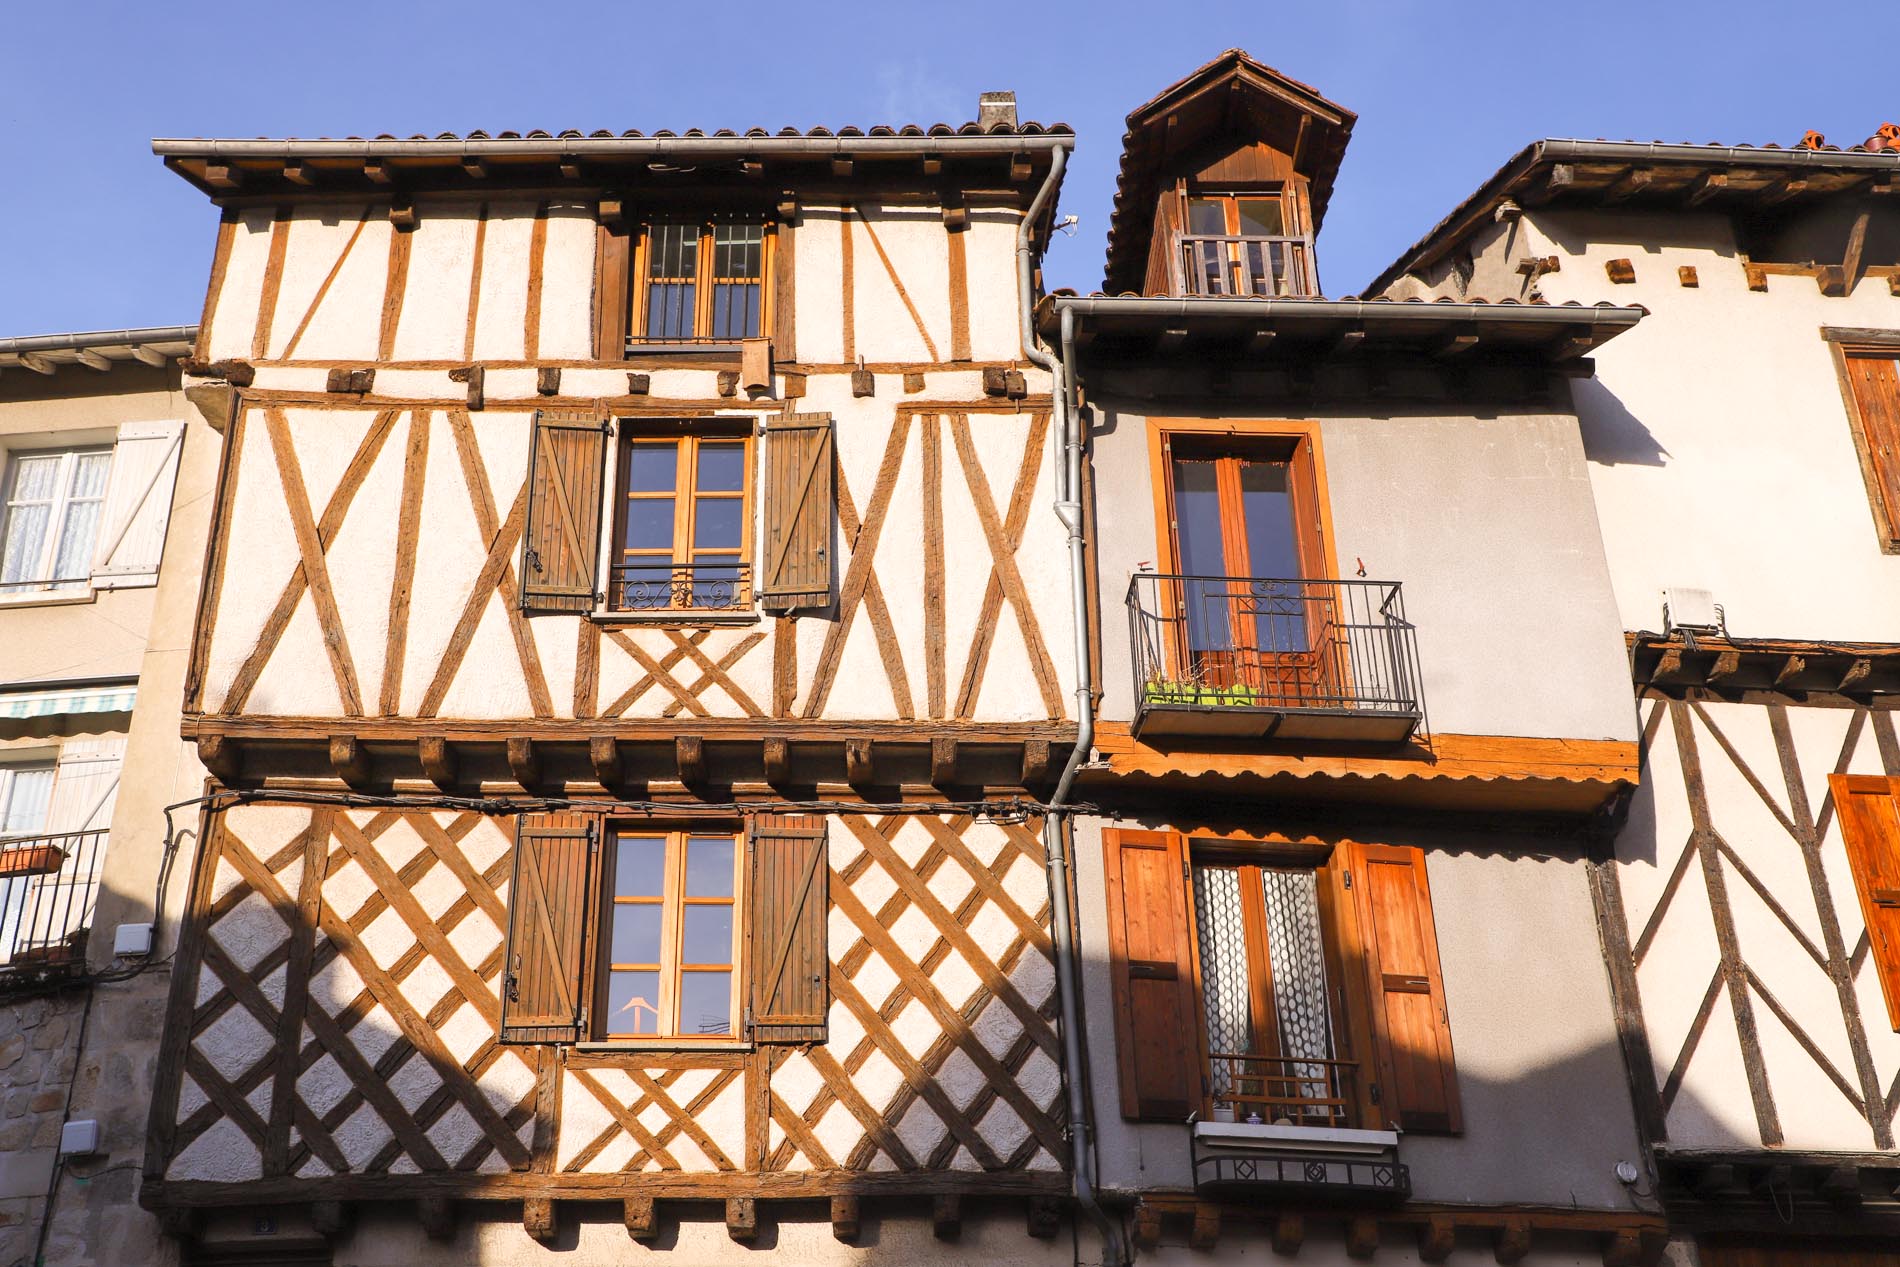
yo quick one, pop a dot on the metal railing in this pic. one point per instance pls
(1304, 1091)
(1244, 264)
(1239, 641)
(663, 587)
(49, 885)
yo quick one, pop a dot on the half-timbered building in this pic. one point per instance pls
(1360, 713)
(632, 650)
(1740, 445)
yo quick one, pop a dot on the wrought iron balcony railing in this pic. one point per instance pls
(1244, 264)
(1285, 1125)
(664, 587)
(1256, 657)
(49, 885)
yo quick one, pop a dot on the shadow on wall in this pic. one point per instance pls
(1612, 435)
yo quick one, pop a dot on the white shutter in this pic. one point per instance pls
(86, 785)
(138, 504)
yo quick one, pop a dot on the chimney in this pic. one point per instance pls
(993, 108)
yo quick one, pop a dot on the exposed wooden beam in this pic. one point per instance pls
(1018, 168)
(1632, 1247)
(223, 176)
(844, 1219)
(1455, 342)
(1349, 341)
(375, 172)
(1171, 338)
(298, 172)
(1513, 1241)
(1727, 665)
(438, 760)
(742, 1219)
(436, 1214)
(524, 763)
(778, 760)
(943, 760)
(1259, 341)
(860, 763)
(473, 167)
(1362, 1236)
(689, 757)
(220, 755)
(149, 356)
(1557, 181)
(1621, 270)
(1857, 672)
(570, 167)
(330, 1219)
(1289, 1232)
(1629, 184)
(1044, 1217)
(841, 167)
(402, 213)
(641, 1218)
(1706, 186)
(1853, 260)
(1784, 189)
(349, 761)
(1147, 1225)
(91, 359)
(603, 753)
(1569, 347)
(1205, 1232)
(37, 363)
(933, 165)
(1791, 668)
(1300, 137)
(946, 1216)
(1715, 1181)
(1037, 762)
(547, 380)
(537, 1218)
(1839, 1186)
(1437, 1236)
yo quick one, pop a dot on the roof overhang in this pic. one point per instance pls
(99, 350)
(1001, 164)
(1266, 330)
(1718, 668)
(1231, 93)
(1651, 175)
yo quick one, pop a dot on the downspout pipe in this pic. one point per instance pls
(1056, 824)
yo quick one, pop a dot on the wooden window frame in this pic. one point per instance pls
(42, 582)
(673, 903)
(1844, 346)
(703, 281)
(687, 434)
(1295, 221)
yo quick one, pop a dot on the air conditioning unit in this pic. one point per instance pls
(1694, 610)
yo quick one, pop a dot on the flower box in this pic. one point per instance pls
(34, 859)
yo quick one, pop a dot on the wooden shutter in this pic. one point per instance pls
(1875, 383)
(790, 898)
(613, 280)
(1870, 828)
(1419, 1084)
(550, 910)
(1157, 1035)
(798, 511)
(560, 548)
(138, 505)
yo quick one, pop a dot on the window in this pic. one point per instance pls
(683, 540)
(701, 281)
(1295, 984)
(1870, 829)
(673, 926)
(51, 519)
(1245, 244)
(1871, 377)
(667, 935)
(26, 792)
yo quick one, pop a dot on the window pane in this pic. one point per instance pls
(735, 310)
(719, 523)
(1272, 545)
(707, 935)
(673, 250)
(89, 474)
(633, 1003)
(709, 866)
(650, 523)
(35, 479)
(738, 249)
(640, 866)
(705, 1002)
(1299, 963)
(1206, 215)
(27, 794)
(637, 932)
(721, 468)
(1262, 216)
(74, 559)
(670, 310)
(652, 467)
(1224, 969)
(25, 538)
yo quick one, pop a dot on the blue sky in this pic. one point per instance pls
(98, 235)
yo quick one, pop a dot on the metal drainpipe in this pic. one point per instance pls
(1056, 824)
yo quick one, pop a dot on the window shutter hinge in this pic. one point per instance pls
(1375, 1093)
(1345, 878)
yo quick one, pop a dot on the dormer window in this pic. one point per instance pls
(1250, 244)
(699, 281)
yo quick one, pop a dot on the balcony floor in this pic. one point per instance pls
(1310, 725)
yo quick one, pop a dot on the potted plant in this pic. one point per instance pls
(30, 857)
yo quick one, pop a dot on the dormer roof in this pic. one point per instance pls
(1231, 94)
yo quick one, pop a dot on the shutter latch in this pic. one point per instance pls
(513, 983)
(534, 559)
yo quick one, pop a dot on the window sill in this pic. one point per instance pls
(49, 598)
(636, 351)
(1317, 1139)
(682, 618)
(671, 1045)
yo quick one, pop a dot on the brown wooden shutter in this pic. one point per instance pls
(1419, 1083)
(1870, 828)
(796, 569)
(790, 898)
(560, 549)
(1875, 382)
(1157, 1033)
(550, 910)
(613, 278)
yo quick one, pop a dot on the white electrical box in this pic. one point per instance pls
(1686, 608)
(133, 941)
(79, 1138)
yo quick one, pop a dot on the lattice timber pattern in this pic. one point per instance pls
(338, 1002)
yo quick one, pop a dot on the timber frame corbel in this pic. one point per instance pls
(1765, 670)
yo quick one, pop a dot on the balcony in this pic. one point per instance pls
(48, 887)
(687, 588)
(1284, 1125)
(1224, 657)
(1243, 264)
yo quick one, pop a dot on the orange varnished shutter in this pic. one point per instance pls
(1876, 384)
(1870, 827)
(790, 897)
(560, 547)
(1150, 964)
(1419, 1083)
(550, 910)
(795, 568)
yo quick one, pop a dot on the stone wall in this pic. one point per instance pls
(39, 1040)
